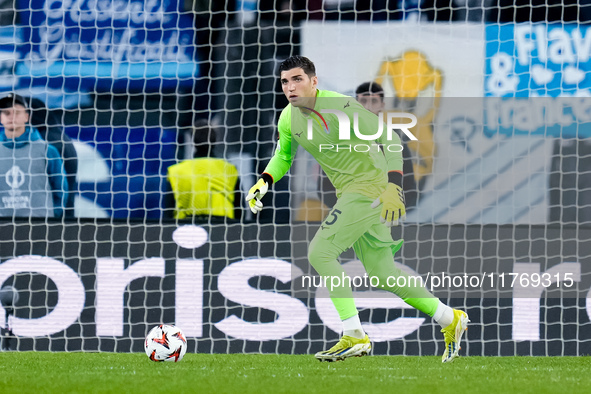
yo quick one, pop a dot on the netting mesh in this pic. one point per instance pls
(93, 241)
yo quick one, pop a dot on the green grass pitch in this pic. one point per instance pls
(37, 372)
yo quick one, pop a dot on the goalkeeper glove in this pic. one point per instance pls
(256, 193)
(392, 201)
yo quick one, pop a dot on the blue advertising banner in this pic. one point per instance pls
(99, 285)
(540, 62)
(106, 44)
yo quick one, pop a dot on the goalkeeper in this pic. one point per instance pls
(366, 178)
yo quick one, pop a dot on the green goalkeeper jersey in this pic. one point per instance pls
(353, 165)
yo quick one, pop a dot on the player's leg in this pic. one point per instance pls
(338, 232)
(376, 251)
(323, 254)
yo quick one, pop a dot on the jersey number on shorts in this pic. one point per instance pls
(334, 216)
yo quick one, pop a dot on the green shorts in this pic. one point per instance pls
(351, 219)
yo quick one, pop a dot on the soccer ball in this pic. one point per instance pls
(165, 343)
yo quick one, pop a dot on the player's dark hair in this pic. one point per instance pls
(370, 88)
(298, 61)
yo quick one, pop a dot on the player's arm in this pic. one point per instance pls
(277, 167)
(392, 199)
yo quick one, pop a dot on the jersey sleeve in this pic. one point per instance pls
(285, 151)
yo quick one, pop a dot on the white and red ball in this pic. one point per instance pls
(165, 342)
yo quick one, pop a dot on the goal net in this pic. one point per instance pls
(98, 245)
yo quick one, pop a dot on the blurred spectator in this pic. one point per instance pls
(371, 96)
(32, 176)
(205, 185)
(51, 130)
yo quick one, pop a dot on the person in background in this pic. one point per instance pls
(32, 176)
(371, 96)
(204, 185)
(51, 130)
